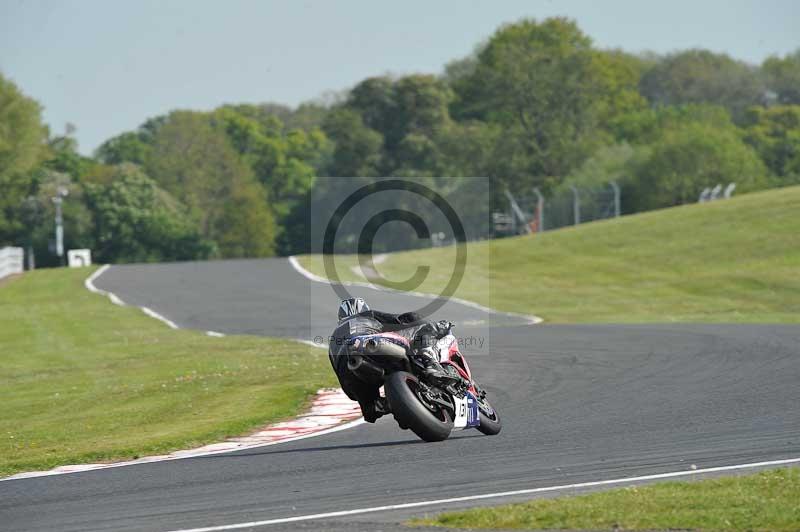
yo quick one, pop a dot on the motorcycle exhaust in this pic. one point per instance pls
(364, 368)
(385, 348)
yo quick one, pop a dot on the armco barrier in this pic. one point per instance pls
(11, 261)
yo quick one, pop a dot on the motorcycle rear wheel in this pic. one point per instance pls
(428, 421)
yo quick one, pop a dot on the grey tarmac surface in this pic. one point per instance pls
(266, 297)
(579, 403)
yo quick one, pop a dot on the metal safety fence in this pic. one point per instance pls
(571, 205)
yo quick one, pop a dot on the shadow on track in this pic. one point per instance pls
(264, 452)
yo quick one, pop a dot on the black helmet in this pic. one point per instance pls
(351, 307)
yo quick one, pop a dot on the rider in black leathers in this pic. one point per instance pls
(356, 319)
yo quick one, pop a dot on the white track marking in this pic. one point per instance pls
(307, 274)
(377, 259)
(89, 284)
(316, 278)
(309, 343)
(215, 334)
(159, 317)
(499, 494)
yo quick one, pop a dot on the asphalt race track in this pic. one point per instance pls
(579, 403)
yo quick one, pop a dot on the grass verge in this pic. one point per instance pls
(82, 380)
(764, 501)
(728, 261)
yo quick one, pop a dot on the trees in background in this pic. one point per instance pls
(535, 80)
(703, 77)
(137, 221)
(176, 189)
(358, 148)
(23, 147)
(551, 93)
(238, 170)
(130, 147)
(194, 161)
(782, 77)
(23, 136)
(535, 105)
(390, 127)
(775, 135)
(284, 161)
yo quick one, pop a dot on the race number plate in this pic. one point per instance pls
(466, 412)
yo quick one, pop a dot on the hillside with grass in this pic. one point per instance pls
(83, 380)
(736, 260)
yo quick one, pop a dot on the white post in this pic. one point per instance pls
(58, 200)
(617, 202)
(576, 205)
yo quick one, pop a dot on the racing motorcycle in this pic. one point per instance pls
(432, 407)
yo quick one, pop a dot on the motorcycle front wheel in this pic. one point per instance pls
(490, 419)
(429, 420)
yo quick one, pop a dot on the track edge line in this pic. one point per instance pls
(532, 319)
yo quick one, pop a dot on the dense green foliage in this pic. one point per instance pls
(775, 135)
(700, 76)
(22, 147)
(783, 77)
(136, 221)
(536, 105)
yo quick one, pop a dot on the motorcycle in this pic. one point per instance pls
(431, 407)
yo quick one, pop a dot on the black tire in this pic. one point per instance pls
(429, 423)
(490, 419)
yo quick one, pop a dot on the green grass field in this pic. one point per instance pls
(765, 501)
(736, 260)
(82, 380)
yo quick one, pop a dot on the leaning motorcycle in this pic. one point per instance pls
(431, 407)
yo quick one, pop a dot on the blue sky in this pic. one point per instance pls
(106, 66)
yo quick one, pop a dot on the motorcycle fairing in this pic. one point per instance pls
(448, 351)
(466, 412)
